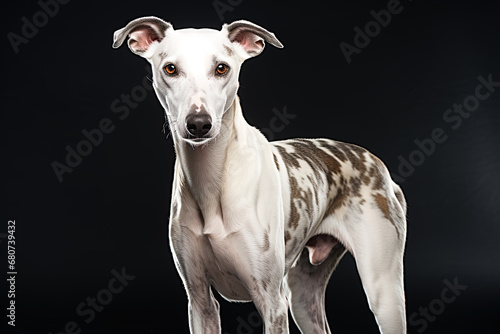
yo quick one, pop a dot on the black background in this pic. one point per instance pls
(112, 210)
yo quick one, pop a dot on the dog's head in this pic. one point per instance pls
(195, 71)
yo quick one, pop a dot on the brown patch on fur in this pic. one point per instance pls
(228, 50)
(316, 157)
(334, 150)
(383, 205)
(265, 283)
(365, 179)
(355, 183)
(294, 193)
(278, 324)
(267, 243)
(399, 196)
(287, 237)
(376, 173)
(289, 160)
(276, 161)
(355, 155)
(325, 159)
(341, 198)
(387, 208)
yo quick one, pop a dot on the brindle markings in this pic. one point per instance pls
(317, 158)
(335, 151)
(276, 161)
(355, 183)
(376, 173)
(306, 229)
(355, 154)
(319, 161)
(265, 282)
(255, 288)
(267, 243)
(312, 153)
(312, 182)
(294, 213)
(295, 192)
(299, 194)
(345, 151)
(341, 198)
(383, 205)
(399, 196)
(278, 323)
(287, 236)
(290, 161)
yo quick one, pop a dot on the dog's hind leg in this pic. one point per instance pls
(307, 284)
(377, 244)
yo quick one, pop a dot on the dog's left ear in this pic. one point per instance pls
(250, 36)
(144, 35)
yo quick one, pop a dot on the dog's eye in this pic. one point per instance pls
(170, 69)
(221, 69)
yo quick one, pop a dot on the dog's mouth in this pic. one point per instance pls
(196, 141)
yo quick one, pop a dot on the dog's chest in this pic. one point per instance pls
(226, 260)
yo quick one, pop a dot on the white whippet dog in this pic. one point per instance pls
(264, 221)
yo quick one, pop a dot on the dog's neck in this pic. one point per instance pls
(202, 168)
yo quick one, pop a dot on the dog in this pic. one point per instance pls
(264, 221)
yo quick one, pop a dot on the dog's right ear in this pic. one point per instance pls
(144, 35)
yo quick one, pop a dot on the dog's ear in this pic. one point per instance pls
(144, 35)
(250, 37)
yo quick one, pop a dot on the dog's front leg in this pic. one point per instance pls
(274, 312)
(203, 310)
(269, 296)
(188, 251)
(203, 307)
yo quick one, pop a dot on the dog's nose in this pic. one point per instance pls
(198, 125)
